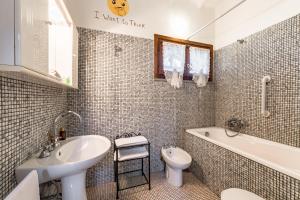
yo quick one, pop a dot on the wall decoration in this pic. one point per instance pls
(118, 7)
(127, 22)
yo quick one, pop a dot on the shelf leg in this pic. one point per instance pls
(149, 170)
(117, 173)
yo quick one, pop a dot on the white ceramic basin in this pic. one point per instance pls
(69, 163)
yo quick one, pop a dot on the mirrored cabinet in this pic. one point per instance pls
(38, 37)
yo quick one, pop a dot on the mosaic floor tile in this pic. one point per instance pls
(192, 189)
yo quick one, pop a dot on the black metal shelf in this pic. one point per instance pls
(117, 161)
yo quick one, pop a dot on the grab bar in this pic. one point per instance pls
(264, 112)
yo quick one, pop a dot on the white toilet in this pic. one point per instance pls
(176, 160)
(238, 194)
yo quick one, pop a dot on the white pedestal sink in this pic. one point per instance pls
(69, 163)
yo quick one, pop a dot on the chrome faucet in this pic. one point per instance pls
(45, 151)
(56, 143)
(235, 124)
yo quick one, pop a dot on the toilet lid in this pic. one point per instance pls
(238, 194)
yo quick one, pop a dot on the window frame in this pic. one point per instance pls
(158, 57)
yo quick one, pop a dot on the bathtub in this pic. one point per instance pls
(280, 157)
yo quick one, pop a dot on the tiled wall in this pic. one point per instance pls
(117, 94)
(27, 111)
(221, 169)
(239, 69)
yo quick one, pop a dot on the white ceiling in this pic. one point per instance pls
(206, 3)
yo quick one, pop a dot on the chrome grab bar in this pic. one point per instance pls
(265, 80)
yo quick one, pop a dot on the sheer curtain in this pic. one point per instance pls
(200, 65)
(173, 63)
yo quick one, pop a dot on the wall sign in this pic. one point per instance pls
(118, 7)
(123, 21)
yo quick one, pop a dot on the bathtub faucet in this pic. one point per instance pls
(235, 124)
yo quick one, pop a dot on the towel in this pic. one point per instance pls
(131, 153)
(200, 80)
(176, 80)
(27, 189)
(131, 141)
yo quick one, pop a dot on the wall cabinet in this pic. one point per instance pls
(39, 37)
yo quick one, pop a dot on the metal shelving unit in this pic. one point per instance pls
(132, 152)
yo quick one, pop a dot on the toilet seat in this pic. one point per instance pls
(238, 194)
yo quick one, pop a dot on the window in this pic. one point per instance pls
(184, 56)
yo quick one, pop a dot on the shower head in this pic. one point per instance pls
(241, 41)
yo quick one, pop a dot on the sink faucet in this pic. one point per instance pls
(56, 143)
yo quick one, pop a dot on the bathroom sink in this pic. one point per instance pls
(69, 163)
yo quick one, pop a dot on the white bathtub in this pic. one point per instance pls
(280, 157)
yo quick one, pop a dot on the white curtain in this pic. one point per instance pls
(200, 65)
(173, 63)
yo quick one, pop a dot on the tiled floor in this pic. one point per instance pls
(192, 189)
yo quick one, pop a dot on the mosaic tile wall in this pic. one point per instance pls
(27, 111)
(220, 169)
(117, 93)
(239, 69)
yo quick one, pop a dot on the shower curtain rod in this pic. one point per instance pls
(214, 20)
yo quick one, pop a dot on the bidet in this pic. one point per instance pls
(176, 160)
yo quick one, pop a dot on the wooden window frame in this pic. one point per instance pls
(158, 57)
